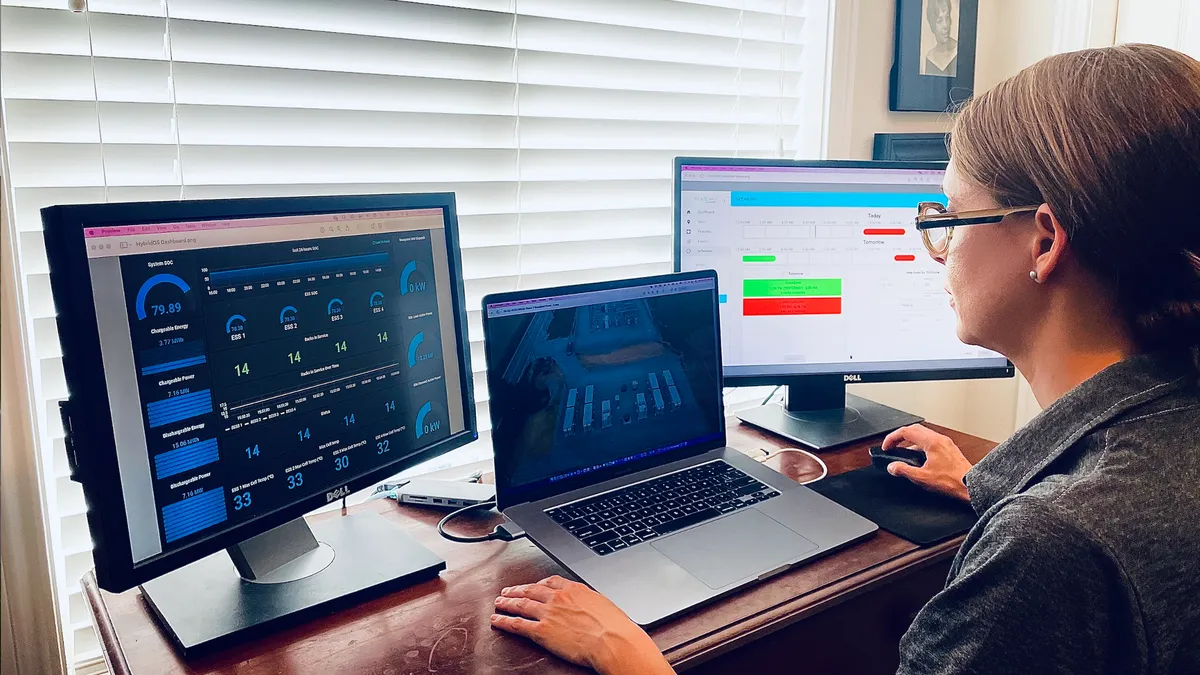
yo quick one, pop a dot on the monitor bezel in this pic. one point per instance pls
(92, 439)
(849, 376)
(505, 497)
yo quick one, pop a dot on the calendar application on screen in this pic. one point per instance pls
(822, 269)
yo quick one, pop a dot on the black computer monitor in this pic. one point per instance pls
(234, 364)
(824, 281)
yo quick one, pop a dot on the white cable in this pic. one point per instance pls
(818, 460)
(170, 47)
(87, 17)
(517, 138)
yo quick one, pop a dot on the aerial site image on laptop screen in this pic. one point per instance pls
(592, 380)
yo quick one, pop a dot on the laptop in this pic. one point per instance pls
(608, 427)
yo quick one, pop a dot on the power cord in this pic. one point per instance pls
(506, 531)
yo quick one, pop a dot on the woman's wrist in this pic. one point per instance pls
(622, 656)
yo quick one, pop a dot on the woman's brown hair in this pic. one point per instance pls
(1110, 140)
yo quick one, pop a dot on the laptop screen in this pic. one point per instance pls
(586, 383)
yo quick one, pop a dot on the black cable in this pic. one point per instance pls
(771, 395)
(504, 531)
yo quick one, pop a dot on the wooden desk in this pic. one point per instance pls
(843, 613)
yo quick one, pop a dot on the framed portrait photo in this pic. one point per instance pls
(933, 69)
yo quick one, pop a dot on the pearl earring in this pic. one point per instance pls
(1033, 275)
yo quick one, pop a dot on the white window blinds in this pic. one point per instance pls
(554, 121)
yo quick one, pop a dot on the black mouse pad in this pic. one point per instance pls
(898, 506)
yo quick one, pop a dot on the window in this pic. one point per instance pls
(554, 121)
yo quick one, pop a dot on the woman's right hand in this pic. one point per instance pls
(579, 625)
(945, 466)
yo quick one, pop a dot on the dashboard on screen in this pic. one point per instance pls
(821, 269)
(251, 363)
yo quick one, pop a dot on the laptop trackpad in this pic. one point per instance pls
(745, 544)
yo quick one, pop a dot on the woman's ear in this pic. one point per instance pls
(1050, 243)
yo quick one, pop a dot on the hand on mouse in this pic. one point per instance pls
(945, 466)
(580, 625)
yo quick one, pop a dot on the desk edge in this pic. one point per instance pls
(110, 646)
(780, 616)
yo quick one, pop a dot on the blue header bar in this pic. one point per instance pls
(881, 200)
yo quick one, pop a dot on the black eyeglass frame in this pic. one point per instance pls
(948, 220)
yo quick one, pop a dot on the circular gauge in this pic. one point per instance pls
(415, 278)
(163, 303)
(431, 421)
(235, 325)
(376, 302)
(421, 349)
(334, 309)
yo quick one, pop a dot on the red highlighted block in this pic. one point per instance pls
(884, 232)
(905, 258)
(790, 306)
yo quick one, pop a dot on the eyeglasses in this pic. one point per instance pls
(936, 223)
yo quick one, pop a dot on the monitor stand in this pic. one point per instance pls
(284, 576)
(817, 412)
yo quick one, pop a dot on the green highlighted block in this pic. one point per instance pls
(791, 288)
(758, 258)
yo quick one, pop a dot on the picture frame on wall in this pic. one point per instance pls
(929, 147)
(933, 68)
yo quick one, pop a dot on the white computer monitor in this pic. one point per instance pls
(823, 276)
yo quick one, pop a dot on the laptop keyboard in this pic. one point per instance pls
(629, 516)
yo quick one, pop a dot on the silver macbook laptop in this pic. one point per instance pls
(609, 435)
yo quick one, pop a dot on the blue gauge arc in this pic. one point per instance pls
(408, 271)
(413, 347)
(329, 307)
(375, 295)
(425, 410)
(155, 281)
(229, 323)
(284, 312)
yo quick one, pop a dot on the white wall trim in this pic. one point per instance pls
(1080, 24)
(1188, 38)
(839, 81)
(31, 604)
(1103, 29)
(1072, 25)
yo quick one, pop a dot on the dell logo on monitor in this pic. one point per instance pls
(852, 378)
(343, 491)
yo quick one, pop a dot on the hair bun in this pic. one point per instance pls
(1173, 322)
(1170, 324)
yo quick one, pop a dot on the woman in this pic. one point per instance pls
(1075, 251)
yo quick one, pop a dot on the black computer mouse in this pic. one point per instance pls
(880, 458)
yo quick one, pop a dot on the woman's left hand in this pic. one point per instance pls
(579, 625)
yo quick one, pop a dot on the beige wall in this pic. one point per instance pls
(864, 51)
(1012, 34)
